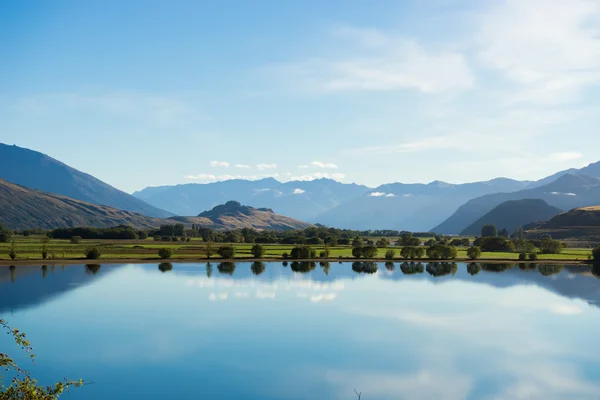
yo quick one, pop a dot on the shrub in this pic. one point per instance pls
(285, 255)
(383, 242)
(474, 253)
(357, 252)
(389, 255)
(522, 256)
(596, 254)
(441, 252)
(44, 252)
(257, 251)
(549, 246)
(188, 239)
(75, 239)
(92, 253)
(326, 252)
(183, 239)
(303, 252)
(495, 244)
(533, 256)
(165, 238)
(174, 238)
(226, 251)
(165, 253)
(369, 251)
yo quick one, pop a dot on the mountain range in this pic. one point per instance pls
(437, 206)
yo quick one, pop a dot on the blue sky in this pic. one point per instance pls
(143, 93)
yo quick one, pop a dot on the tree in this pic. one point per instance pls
(383, 242)
(495, 244)
(165, 253)
(44, 252)
(389, 255)
(75, 239)
(92, 253)
(226, 251)
(23, 386)
(357, 252)
(5, 234)
(13, 251)
(178, 230)
(441, 252)
(474, 253)
(357, 242)
(489, 231)
(412, 252)
(369, 251)
(596, 254)
(257, 251)
(303, 252)
(549, 246)
(209, 249)
(504, 233)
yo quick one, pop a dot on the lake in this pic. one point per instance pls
(305, 331)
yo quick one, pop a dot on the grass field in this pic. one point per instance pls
(30, 248)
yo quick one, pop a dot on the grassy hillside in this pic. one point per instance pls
(580, 223)
(514, 213)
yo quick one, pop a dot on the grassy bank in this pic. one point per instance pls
(30, 249)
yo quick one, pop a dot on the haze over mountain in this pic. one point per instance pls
(38, 171)
(303, 200)
(568, 191)
(413, 207)
(513, 213)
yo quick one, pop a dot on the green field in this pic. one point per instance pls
(30, 248)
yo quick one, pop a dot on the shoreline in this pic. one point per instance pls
(83, 261)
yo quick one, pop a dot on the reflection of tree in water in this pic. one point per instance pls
(496, 267)
(412, 268)
(257, 267)
(364, 267)
(528, 266)
(92, 268)
(44, 271)
(550, 269)
(325, 265)
(13, 270)
(164, 267)
(285, 263)
(473, 268)
(226, 268)
(596, 270)
(390, 266)
(440, 269)
(209, 270)
(303, 266)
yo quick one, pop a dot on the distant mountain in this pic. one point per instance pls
(38, 171)
(303, 200)
(580, 223)
(571, 190)
(514, 213)
(413, 207)
(23, 208)
(233, 215)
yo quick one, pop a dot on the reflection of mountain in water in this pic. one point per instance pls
(25, 286)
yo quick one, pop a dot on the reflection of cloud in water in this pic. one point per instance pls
(265, 295)
(220, 296)
(323, 297)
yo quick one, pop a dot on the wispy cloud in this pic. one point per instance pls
(226, 177)
(318, 175)
(262, 167)
(219, 164)
(298, 191)
(319, 164)
(242, 166)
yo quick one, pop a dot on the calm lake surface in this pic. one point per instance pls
(267, 331)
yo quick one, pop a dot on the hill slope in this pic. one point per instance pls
(38, 171)
(514, 213)
(580, 223)
(567, 192)
(414, 207)
(233, 215)
(23, 208)
(303, 200)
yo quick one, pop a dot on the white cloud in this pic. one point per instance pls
(565, 156)
(242, 166)
(320, 164)
(226, 177)
(549, 48)
(390, 195)
(219, 164)
(563, 194)
(377, 194)
(262, 167)
(566, 309)
(298, 191)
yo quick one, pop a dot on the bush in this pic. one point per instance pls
(533, 256)
(474, 253)
(165, 253)
(92, 253)
(226, 251)
(75, 239)
(174, 238)
(549, 246)
(596, 254)
(522, 256)
(357, 252)
(495, 244)
(165, 238)
(285, 255)
(44, 252)
(303, 252)
(441, 252)
(369, 251)
(389, 255)
(257, 251)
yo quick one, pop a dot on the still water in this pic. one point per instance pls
(304, 331)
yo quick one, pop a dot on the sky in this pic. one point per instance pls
(145, 93)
